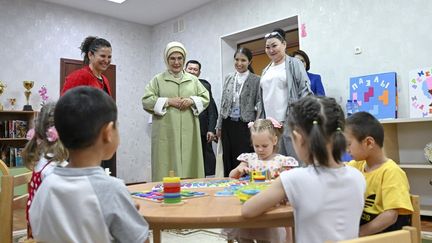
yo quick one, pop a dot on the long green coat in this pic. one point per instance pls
(176, 140)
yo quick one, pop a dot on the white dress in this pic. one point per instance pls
(275, 165)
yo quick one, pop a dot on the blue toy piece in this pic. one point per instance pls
(224, 193)
(250, 192)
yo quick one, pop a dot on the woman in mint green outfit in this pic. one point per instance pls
(175, 98)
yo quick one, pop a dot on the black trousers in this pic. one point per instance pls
(235, 141)
(208, 156)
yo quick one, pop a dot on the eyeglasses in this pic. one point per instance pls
(273, 34)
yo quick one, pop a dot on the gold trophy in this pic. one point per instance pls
(28, 85)
(2, 88)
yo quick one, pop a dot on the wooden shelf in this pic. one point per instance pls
(10, 145)
(17, 112)
(426, 210)
(404, 142)
(17, 115)
(405, 120)
(405, 139)
(13, 139)
(416, 166)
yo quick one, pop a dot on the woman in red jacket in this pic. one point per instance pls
(97, 58)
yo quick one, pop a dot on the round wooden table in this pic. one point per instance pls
(206, 212)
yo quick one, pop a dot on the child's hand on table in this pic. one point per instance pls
(243, 170)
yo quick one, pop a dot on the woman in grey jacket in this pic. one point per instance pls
(238, 107)
(283, 81)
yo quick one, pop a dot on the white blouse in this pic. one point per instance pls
(275, 89)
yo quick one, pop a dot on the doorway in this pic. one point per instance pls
(230, 42)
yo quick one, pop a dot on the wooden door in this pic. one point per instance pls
(69, 65)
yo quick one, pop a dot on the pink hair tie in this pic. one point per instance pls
(250, 124)
(30, 134)
(52, 134)
(276, 124)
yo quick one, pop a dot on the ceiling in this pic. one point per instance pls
(145, 12)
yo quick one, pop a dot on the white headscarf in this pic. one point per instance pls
(174, 47)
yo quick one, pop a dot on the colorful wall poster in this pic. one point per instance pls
(420, 92)
(376, 94)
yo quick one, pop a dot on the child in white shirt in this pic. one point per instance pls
(327, 196)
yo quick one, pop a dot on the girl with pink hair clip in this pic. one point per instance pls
(265, 135)
(42, 152)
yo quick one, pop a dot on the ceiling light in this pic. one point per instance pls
(117, 1)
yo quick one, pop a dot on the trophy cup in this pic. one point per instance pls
(28, 85)
(2, 88)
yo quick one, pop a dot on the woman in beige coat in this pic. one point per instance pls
(175, 98)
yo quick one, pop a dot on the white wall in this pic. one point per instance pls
(393, 35)
(34, 35)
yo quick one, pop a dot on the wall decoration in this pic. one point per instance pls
(420, 92)
(303, 32)
(376, 94)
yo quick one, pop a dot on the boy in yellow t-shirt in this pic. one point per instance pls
(387, 198)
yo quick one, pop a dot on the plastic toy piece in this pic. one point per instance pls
(258, 177)
(158, 196)
(171, 189)
(224, 193)
(246, 194)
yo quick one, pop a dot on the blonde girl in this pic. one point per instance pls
(265, 135)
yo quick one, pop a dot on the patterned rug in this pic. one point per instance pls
(19, 236)
(168, 236)
(191, 236)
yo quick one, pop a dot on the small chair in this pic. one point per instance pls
(406, 235)
(415, 216)
(4, 168)
(8, 202)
